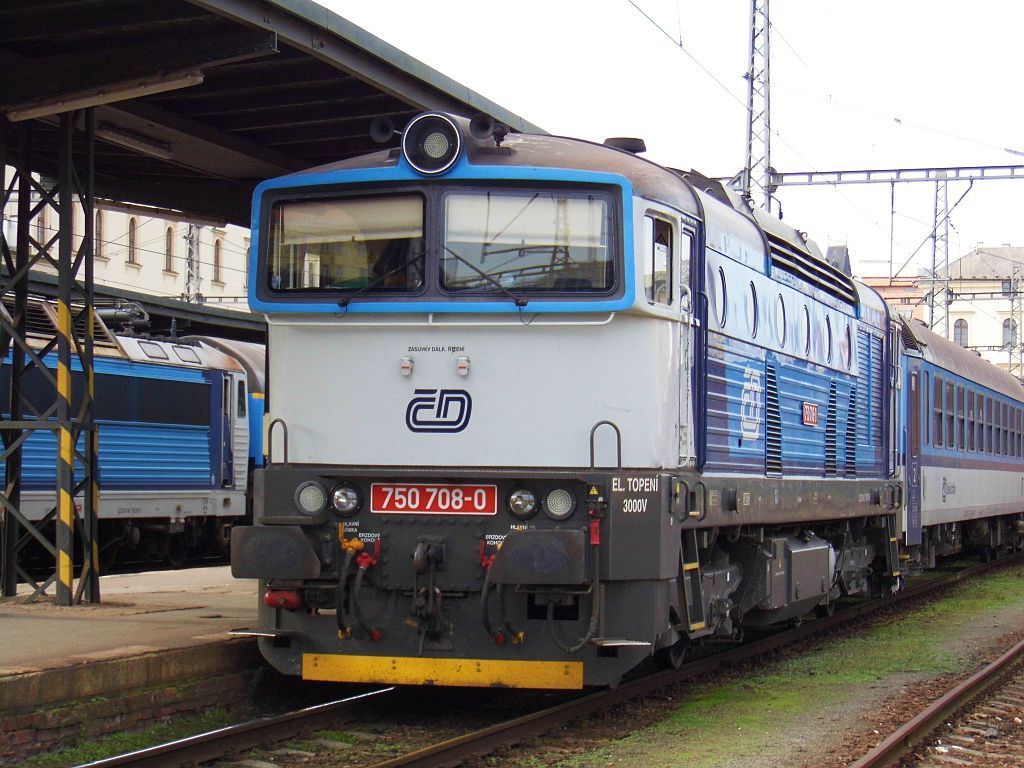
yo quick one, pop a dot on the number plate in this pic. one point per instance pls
(410, 498)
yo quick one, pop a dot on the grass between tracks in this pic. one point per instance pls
(129, 741)
(720, 723)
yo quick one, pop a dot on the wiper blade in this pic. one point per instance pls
(520, 301)
(344, 302)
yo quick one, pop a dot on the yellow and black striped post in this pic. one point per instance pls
(65, 441)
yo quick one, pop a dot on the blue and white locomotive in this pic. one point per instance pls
(541, 408)
(177, 444)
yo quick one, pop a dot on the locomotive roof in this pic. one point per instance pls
(963, 362)
(686, 191)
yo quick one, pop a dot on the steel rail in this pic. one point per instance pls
(217, 743)
(915, 730)
(220, 742)
(454, 751)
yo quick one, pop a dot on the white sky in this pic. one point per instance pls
(855, 84)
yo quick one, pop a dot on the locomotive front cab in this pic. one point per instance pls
(452, 331)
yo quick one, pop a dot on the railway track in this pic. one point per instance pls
(268, 730)
(987, 735)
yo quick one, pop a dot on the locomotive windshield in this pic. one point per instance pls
(352, 244)
(526, 241)
(439, 243)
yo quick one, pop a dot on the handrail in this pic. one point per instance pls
(270, 440)
(618, 442)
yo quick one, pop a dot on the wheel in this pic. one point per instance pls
(672, 656)
(177, 550)
(826, 610)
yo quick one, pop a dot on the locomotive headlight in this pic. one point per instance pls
(431, 143)
(310, 497)
(522, 503)
(345, 500)
(559, 504)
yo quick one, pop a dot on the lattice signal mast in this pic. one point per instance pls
(756, 177)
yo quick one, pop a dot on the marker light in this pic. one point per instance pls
(431, 143)
(345, 500)
(559, 504)
(310, 497)
(522, 503)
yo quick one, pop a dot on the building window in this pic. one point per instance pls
(216, 262)
(169, 250)
(1007, 287)
(960, 332)
(41, 227)
(98, 248)
(133, 241)
(1009, 333)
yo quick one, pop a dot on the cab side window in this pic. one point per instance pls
(657, 260)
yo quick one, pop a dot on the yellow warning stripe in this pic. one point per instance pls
(691, 566)
(411, 670)
(257, 395)
(697, 625)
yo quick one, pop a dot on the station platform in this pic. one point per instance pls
(150, 629)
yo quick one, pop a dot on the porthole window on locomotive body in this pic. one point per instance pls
(724, 298)
(847, 348)
(828, 339)
(807, 331)
(780, 321)
(752, 311)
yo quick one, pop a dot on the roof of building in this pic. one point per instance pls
(986, 263)
(196, 101)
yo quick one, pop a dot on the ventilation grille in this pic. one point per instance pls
(831, 462)
(773, 424)
(819, 275)
(851, 435)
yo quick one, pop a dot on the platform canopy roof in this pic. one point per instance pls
(196, 101)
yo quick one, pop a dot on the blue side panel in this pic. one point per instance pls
(803, 446)
(869, 405)
(735, 407)
(132, 457)
(256, 430)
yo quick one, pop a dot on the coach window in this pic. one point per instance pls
(1006, 429)
(961, 426)
(658, 260)
(950, 429)
(988, 424)
(970, 420)
(937, 406)
(926, 394)
(981, 423)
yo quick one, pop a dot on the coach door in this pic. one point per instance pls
(227, 429)
(913, 531)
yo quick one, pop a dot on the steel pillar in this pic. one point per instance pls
(47, 405)
(756, 178)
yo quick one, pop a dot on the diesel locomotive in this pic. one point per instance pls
(540, 409)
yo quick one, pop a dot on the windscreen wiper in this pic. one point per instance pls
(520, 301)
(343, 303)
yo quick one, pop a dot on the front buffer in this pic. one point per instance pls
(537, 581)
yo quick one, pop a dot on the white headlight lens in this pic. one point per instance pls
(436, 145)
(310, 497)
(345, 500)
(559, 504)
(522, 503)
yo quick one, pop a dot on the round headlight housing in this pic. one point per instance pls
(559, 504)
(345, 500)
(310, 498)
(431, 143)
(522, 503)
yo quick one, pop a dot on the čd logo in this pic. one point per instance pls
(434, 410)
